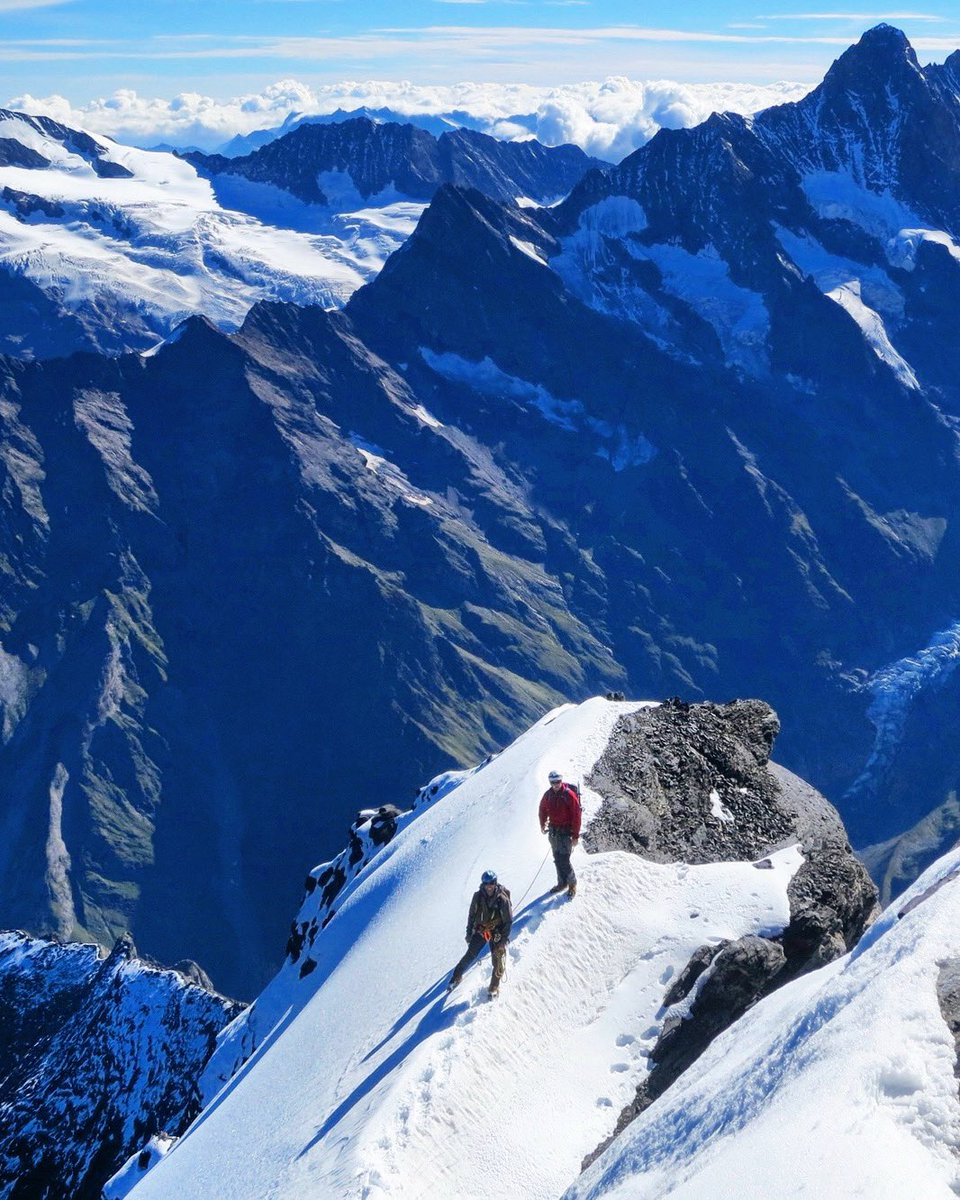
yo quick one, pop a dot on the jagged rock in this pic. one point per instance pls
(96, 1057)
(694, 782)
(192, 972)
(690, 782)
(948, 995)
(683, 984)
(740, 973)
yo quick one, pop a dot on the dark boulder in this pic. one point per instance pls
(694, 783)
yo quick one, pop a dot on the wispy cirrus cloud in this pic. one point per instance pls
(446, 52)
(9, 6)
(852, 16)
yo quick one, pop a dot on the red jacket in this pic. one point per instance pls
(562, 809)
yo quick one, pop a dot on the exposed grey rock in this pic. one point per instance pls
(740, 974)
(96, 1057)
(668, 772)
(693, 782)
(948, 995)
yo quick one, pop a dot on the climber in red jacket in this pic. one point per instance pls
(560, 816)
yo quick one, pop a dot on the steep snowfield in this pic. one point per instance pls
(160, 244)
(370, 1082)
(841, 1084)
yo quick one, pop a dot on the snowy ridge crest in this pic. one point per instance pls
(384, 1089)
(327, 887)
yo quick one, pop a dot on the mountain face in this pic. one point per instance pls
(795, 272)
(437, 124)
(317, 162)
(691, 433)
(109, 248)
(219, 528)
(399, 1089)
(96, 1055)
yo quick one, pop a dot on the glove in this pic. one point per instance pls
(497, 938)
(543, 829)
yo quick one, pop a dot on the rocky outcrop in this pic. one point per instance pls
(97, 1056)
(694, 783)
(326, 887)
(948, 996)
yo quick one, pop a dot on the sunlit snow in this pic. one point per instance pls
(371, 1083)
(388, 473)
(841, 1084)
(164, 244)
(867, 293)
(836, 195)
(620, 447)
(591, 265)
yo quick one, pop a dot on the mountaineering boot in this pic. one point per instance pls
(454, 982)
(493, 991)
(572, 890)
(554, 891)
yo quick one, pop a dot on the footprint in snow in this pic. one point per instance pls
(619, 1068)
(666, 975)
(625, 1039)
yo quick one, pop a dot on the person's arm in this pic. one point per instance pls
(543, 812)
(506, 910)
(472, 915)
(576, 813)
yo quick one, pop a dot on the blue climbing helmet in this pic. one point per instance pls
(488, 877)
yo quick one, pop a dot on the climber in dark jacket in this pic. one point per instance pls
(560, 817)
(489, 920)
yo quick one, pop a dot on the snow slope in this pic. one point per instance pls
(369, 1081)
(155, 244)
(840, 1084)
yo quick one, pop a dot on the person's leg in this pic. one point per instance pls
(561, 860)
(562, 844)
(498, 952)
(474, 946)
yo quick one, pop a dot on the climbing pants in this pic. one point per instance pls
(561, 843)
(498, 952)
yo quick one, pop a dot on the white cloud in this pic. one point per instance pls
(608, 118)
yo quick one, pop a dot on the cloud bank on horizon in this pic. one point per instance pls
(608, 118)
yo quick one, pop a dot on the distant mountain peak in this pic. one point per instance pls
(883, 53)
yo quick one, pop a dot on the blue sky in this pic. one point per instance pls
(86, 48)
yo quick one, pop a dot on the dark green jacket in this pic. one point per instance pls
(493, 914)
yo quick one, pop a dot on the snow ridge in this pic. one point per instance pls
(855, 1059)
(361, 1089)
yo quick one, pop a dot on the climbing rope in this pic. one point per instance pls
(534, 879)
